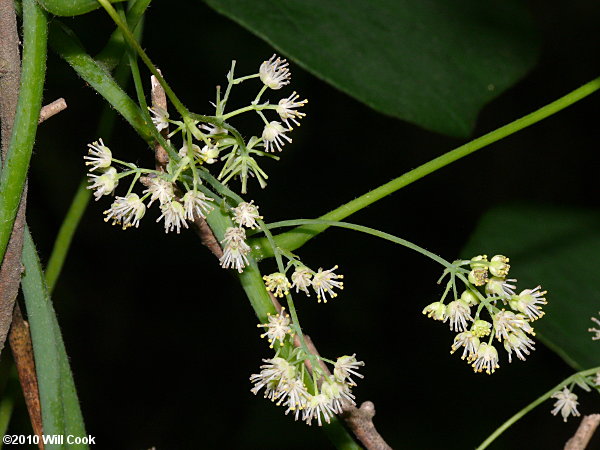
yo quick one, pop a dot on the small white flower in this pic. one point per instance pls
(273, 135)
(458, 312)
(161, 117)
(337, 392)
(318, 407)
(104, 183)
(209, 154)
(596, 331)
(566, 403)
(597, 380)
(236, 249)
(481, 328)
(499, 266)
(506, 322)
(278, 327)
(278, 284)
(518, 342)
(486, 359)
(99, 156)
(301, 279)
(196, 204)
(274, 73)
(324, 281)
(500, 287)
(346, 366)
(159, 189)
(436, 311)
(286, 108)
(126, 211)
(469, 341)
(183, 151)
(174, 215)
(246, 214)
(294, 395)
(275, 370)
(528, 302)
(212, 130)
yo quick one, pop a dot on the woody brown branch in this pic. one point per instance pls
(584, 433)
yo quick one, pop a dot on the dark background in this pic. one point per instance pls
(162, 341)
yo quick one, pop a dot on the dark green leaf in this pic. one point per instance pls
(434, 63)
(71, 7)
(557, 248)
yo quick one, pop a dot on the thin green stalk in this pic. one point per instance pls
(532, 405)
(294, 239)
(16, 164)
(6, 408)
(360, 228)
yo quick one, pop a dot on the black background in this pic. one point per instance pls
(162, 341)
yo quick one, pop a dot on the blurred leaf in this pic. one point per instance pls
(71, 7)
(434, 63)
(60, 407)
(557, 248)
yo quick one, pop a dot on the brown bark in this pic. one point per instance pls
(584, 433)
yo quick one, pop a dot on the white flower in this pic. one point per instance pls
(174, 215)
(500, 287)
(317, 407)
(183, 151)
(324, 281)
(212, 129)
(278, 327)
(236, 249)
(104, 183)
(272, 136)
(337, 392)
(566, 403)
(506, 322)
(469, 341)
(499, 266)
(274, 73)
(99, 156)
(518, 342)
(596, 331)
(126, 211)
(527, 302)
(286, 109)
(301, 279)
(481, 328)
(275, 370)
(196, 204)
(277, 283)
(346, 366)
(293, 394)
(159, 189)
(246, 214)
(436, 311)
(209, 154)
(486, 359)
(161, 117)
(458, 312)
(597, 380)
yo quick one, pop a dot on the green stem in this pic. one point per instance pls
(14, 172)
(66, 233)
(360, 228)
(296, 238)
(532, 405)
(136, 46)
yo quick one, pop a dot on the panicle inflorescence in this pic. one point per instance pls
(285, 380)
(487, 289)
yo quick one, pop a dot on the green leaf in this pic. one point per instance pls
(434, 63)
(60, 407)
(557, 248)
(71, 7)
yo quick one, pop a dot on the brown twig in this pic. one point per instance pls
(22, 349)
(159, 100)
(52, 109)
(584, 433)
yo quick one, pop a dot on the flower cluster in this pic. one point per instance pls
(510, 314)
(287, 382)
(322, 282)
